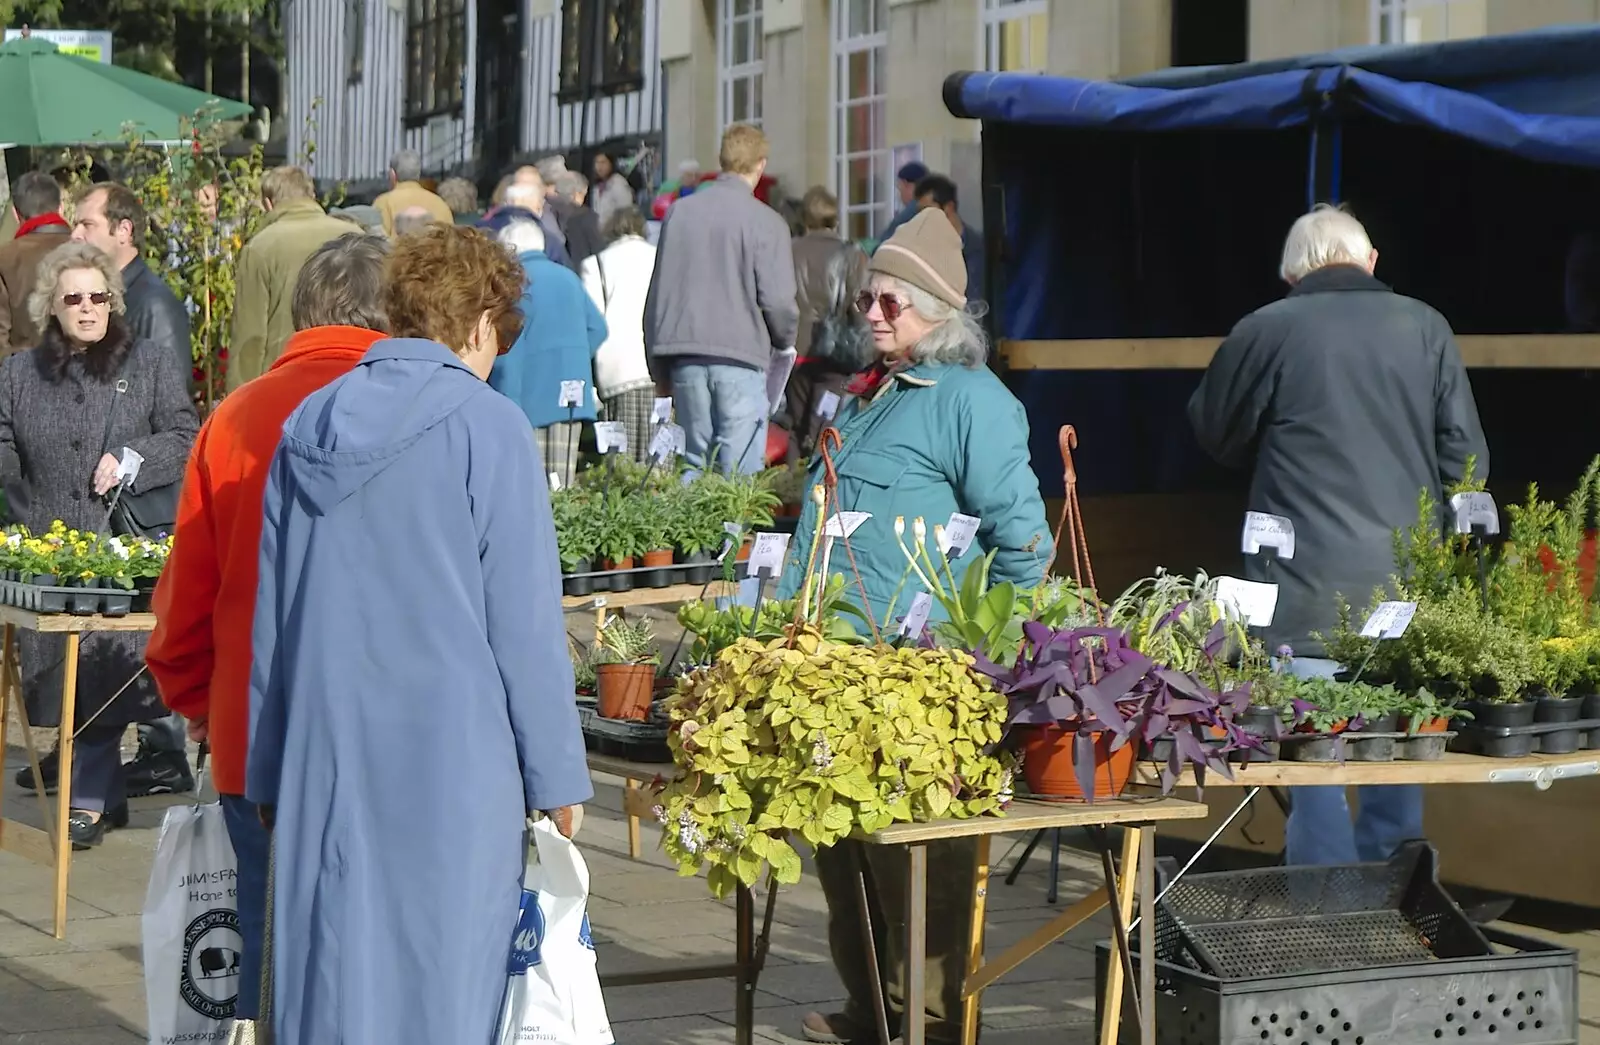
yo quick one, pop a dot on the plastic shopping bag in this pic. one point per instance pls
(553, 997)
(191, 929)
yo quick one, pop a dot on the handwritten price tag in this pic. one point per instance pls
(555, 481)
(1262, 530)
(958, 534)
(1389, 621)
(1475, 509)
(661, 410)
(571, 394)
(767, 553)
(828, 405)
(661, 445)
(916, 618)
(844, 523)
(1251, 601)
(610, 436)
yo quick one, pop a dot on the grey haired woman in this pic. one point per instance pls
(67, 408)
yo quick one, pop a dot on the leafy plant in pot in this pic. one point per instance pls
(1080, 699)
(625, 660)
(653, 541)
(619, 539)
(576, 538)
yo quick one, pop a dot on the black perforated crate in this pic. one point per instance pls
(1350, 955)
(1524, 994)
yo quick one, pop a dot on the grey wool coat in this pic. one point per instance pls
(53, 409)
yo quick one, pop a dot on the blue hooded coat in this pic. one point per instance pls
(411, 699)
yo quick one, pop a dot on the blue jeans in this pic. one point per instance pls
(723, 410)
(252, 847)
(1320, 831)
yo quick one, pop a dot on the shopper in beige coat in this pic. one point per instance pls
(406, 190)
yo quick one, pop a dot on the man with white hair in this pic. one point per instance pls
(1346, 399)
(561, 333)
(406, 191)
(412, 219)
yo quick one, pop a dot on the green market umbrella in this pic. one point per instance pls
(50, 98)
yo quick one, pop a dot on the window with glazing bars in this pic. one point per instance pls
(436, 35)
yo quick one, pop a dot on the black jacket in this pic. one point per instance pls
(155, 313)
(581, 228)
(1350, 400)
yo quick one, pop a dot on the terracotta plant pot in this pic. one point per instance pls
(617, 564)
(1048, 764)
(625, 690)
(1432, 725)
(744, 550)
(1337, 727)
(659, 557)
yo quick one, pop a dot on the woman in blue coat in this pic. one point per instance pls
(931, 431)
(411, 697)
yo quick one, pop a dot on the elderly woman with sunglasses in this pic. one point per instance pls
(931, 432)
(409, 579)
(68, 407)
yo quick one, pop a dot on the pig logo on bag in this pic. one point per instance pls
(211, 948)
(530, 936)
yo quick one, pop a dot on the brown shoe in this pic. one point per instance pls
(835, 1029)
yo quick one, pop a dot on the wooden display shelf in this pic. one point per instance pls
(602, 600)
(1478, 351)
(1453, 768)
(65, 623)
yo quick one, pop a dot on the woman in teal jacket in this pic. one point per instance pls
(931, 431)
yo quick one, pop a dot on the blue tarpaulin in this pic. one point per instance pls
(1156, 207)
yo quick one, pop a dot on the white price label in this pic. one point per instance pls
(661, 410)
(958, 534)
(610, 436)
(661, 445)
(555, 481)
(916, 617)
(767, 553)
(571, 394)
(1262, 530)
(1389, 621)
(732, 529)
(844, 523)
(1252, 601)
(1475, 509)
(599, 602)
(828, 405)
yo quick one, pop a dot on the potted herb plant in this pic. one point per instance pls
(625, 660)
(572, 512)
(1560, 664)
(654, 545)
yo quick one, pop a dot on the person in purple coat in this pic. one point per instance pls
(409, 578)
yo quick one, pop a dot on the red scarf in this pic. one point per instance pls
(867, 383)
(40, 221)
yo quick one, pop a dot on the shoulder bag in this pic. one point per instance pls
(147, 513)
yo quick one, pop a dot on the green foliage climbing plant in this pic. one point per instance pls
(803, 738)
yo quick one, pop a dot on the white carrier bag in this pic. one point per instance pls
(553, 995)
(190, 927)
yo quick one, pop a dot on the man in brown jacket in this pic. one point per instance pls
(406, 191)
(268, 266)
(36, 202)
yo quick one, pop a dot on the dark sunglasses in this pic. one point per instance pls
(73, 300)
(888, 303)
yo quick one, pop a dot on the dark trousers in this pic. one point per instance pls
(251, 850)
(164, 734)
(952, 879)
(97, 778)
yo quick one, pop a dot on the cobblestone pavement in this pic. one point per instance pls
(88, 990)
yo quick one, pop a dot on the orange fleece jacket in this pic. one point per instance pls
(205, 602)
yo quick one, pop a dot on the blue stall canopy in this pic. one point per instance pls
(1535, 94)
(1155, 207)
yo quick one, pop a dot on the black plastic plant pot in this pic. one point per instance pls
(141, 600)
(622, 581)
(1557, 709)
(1560, 741)
(44, 580)
(116, 604)
(1389, 723)
(657, 578)
(700, 573)
(581, 566)
(1313, 748)
(1488, 713)
(1422, 747)
(1592, 740)
(85, 602)
(1369, 749)
(1159, 750)
(1514, 746)
(1258, 720)
(577, 585)
(1591, 706)
(53, 600)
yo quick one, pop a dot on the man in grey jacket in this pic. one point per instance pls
(721, 301)
(1346, 399)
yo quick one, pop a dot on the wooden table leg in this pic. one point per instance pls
(1147, 935)
(869, 943)
(633, 821)
(744, 1012)
(980, 902)
(916, 1014)
(1112, 1004)
(69, 707)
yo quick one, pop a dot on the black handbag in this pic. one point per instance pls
(147, 513)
